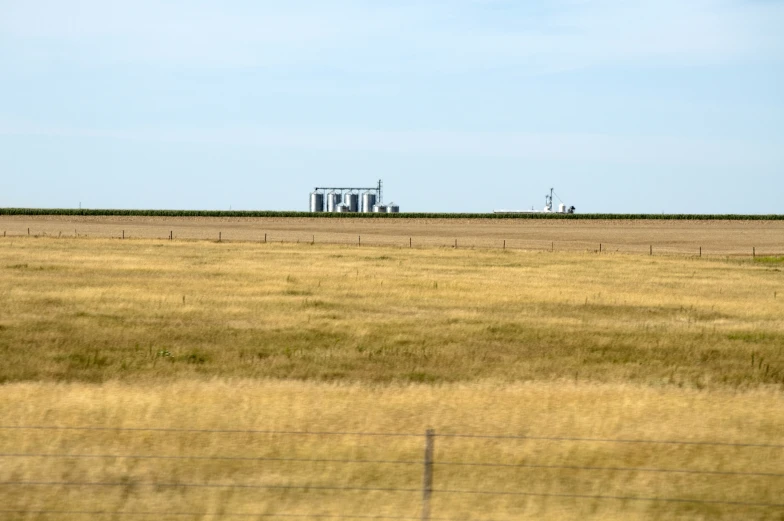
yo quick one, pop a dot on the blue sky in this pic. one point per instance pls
(459, 105)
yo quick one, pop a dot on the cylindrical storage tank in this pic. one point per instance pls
(333, 200)
(393, 208)
(342, 208)
(379, 208)
(368, 202)
(352, 201)
(316, 202)
(561, 208)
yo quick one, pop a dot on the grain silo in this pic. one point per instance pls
(333, 200)
(368, 202)
(351, 200)
(316, 202)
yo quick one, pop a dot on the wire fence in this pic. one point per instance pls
(665, 245)
(428, 487)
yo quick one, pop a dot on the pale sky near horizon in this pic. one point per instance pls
(462, 105)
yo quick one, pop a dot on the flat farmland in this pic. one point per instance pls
(192, 379)
(734, 238)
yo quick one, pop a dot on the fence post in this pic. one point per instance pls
(28, 231)
(313, 240)
(600, 247)
(455, 243)
(753, 248)
(171, 235)
(427, 478)
(700, 251)
(220, 237)
(651, 249)
(123, 234)
(409, 242)
(504, 243)
(265, 238)
(359, 240)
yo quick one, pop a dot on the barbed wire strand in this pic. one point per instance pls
(620, 498)
(392, 462)
(389, 489)
(612, 440)
(204, 485)
(222, 514)
(624, 469)
(211, 431)
(393, 434)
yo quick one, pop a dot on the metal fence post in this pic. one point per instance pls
(427, 479)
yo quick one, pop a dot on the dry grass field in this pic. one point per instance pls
(666, 237)
(297, 337)
(537, 408)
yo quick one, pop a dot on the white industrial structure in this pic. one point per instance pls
(548, 206)
(350, 200)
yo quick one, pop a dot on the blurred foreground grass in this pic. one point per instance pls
(556, 409)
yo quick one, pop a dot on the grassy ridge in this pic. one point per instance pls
(405, 215)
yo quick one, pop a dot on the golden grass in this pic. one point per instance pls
(97, 310)
(200, 335)
(552, 409)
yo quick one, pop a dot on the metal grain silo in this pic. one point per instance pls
(368, 201)
(316, 202)
(342, 208)
(352, 201)
(379, 208)
(393, 208)
(333, 200)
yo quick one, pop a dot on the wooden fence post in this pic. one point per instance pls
(700, 251)
(504, 243)
(427, 479)
(753, 249)
(600, 247)
(455, 243)
(220, 238)
(359, 240)
(409, 242)
(651, 249)
(265, 238)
